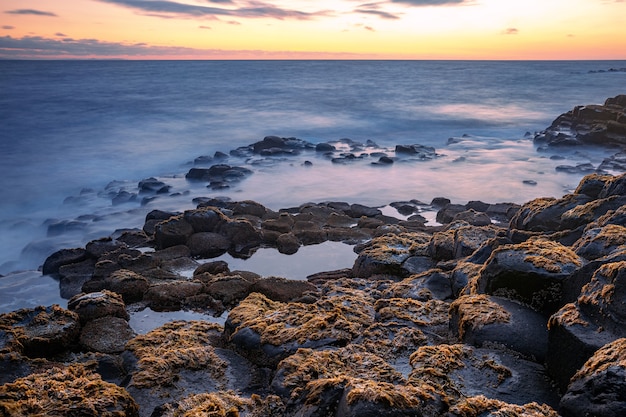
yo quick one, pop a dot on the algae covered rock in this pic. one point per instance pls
(72, 391)
(481, 406)
(482, 320)
(38, 332)
(531, 272)
(385, 255)
(91, 306)
(267, 331)
(599, 387)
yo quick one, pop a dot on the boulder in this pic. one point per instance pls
(130, 285)
(63, 257)
(531, 272)
(207, 245)
(106, 335)
(39, 332)
(599, 387)
(174, 231)
(94, 305)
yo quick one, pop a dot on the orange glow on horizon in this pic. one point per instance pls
(188, 29)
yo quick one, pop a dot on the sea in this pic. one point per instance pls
(75, 133)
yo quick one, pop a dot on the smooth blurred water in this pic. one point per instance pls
(71, 127)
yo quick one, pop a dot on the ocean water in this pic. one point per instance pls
(73, 132)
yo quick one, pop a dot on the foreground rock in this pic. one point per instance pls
(500, 310)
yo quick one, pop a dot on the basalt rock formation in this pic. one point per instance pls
(522, 315)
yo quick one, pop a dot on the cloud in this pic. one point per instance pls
(246, 8)
(380, 13)
(37, 47)
(204, 27)
(31, 12)
(7, 27)
(420, 3)
(63, 35)
(510, 31)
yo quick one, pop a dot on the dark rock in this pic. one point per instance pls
(63, 257)
(97, 248)
(531, 272)
(41, 332)
(106, 335)
(174, 231)
(207, 245)
(287, 243)
(281, 289)
(481, 320)
(171, 295)
(152, 185)
(419, 151)
(130, 285)
(73, 276)
(324, 147)
(215, 267)
(91, 306)
(446, 214)
(359, 210)
(599, 387)
(57, 228)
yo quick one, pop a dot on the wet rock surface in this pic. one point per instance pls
(499, 309)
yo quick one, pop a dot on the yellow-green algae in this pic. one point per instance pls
(568, 315)
(421, 313)
(75, 390)
(177, 345)
(600, 290)
(366, 390)
(612, 355)
(339, 317)
(476, 311)
(307, 365)
(43, 321)
(546, 254)
(480, 405)
(224, 404)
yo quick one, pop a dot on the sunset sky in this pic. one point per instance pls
(324, 29)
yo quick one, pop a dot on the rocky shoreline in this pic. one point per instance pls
(500, 309)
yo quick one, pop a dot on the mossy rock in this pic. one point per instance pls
(531, 272)
(481, 406)
(222, 404)
(459, 371)
(72, 391)
(38, 332)
(600, 241)
(266, 331)
(599, 387)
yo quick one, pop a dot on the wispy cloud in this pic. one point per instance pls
(431, 2)
(248, 9)
(8, 27)
(204, 27)
(380, 13)
(510, 31)
(37, 47)
(31, 12)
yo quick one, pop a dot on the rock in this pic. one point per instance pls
(174, 231)
(472, 217)
(479, 405)
(599, 242)
(106, 335)
(324, 147)
(172, 295)
(207, 245)
(359, 210)
(461, 371)
(74, 390)
(424, 286)
(214, 268)
(385, 255)
(531, 272)
(73, 276)
(482, 320)
(447, 213)
(287, 243)
(266, 331)
(91, 306)
(205, 219)
(281, 289)
(544, 214)
(599, 387)
(242, 235)
(97, 248)
(419, 151)
(590, 124)
(130, 285)
(40, 332)
(152, 185)
(63, 257)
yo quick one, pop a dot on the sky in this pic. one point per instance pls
(313, 29)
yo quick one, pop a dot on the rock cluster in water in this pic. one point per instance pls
(500, 310)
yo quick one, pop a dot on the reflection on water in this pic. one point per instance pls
(327, 256)
(147, 319)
